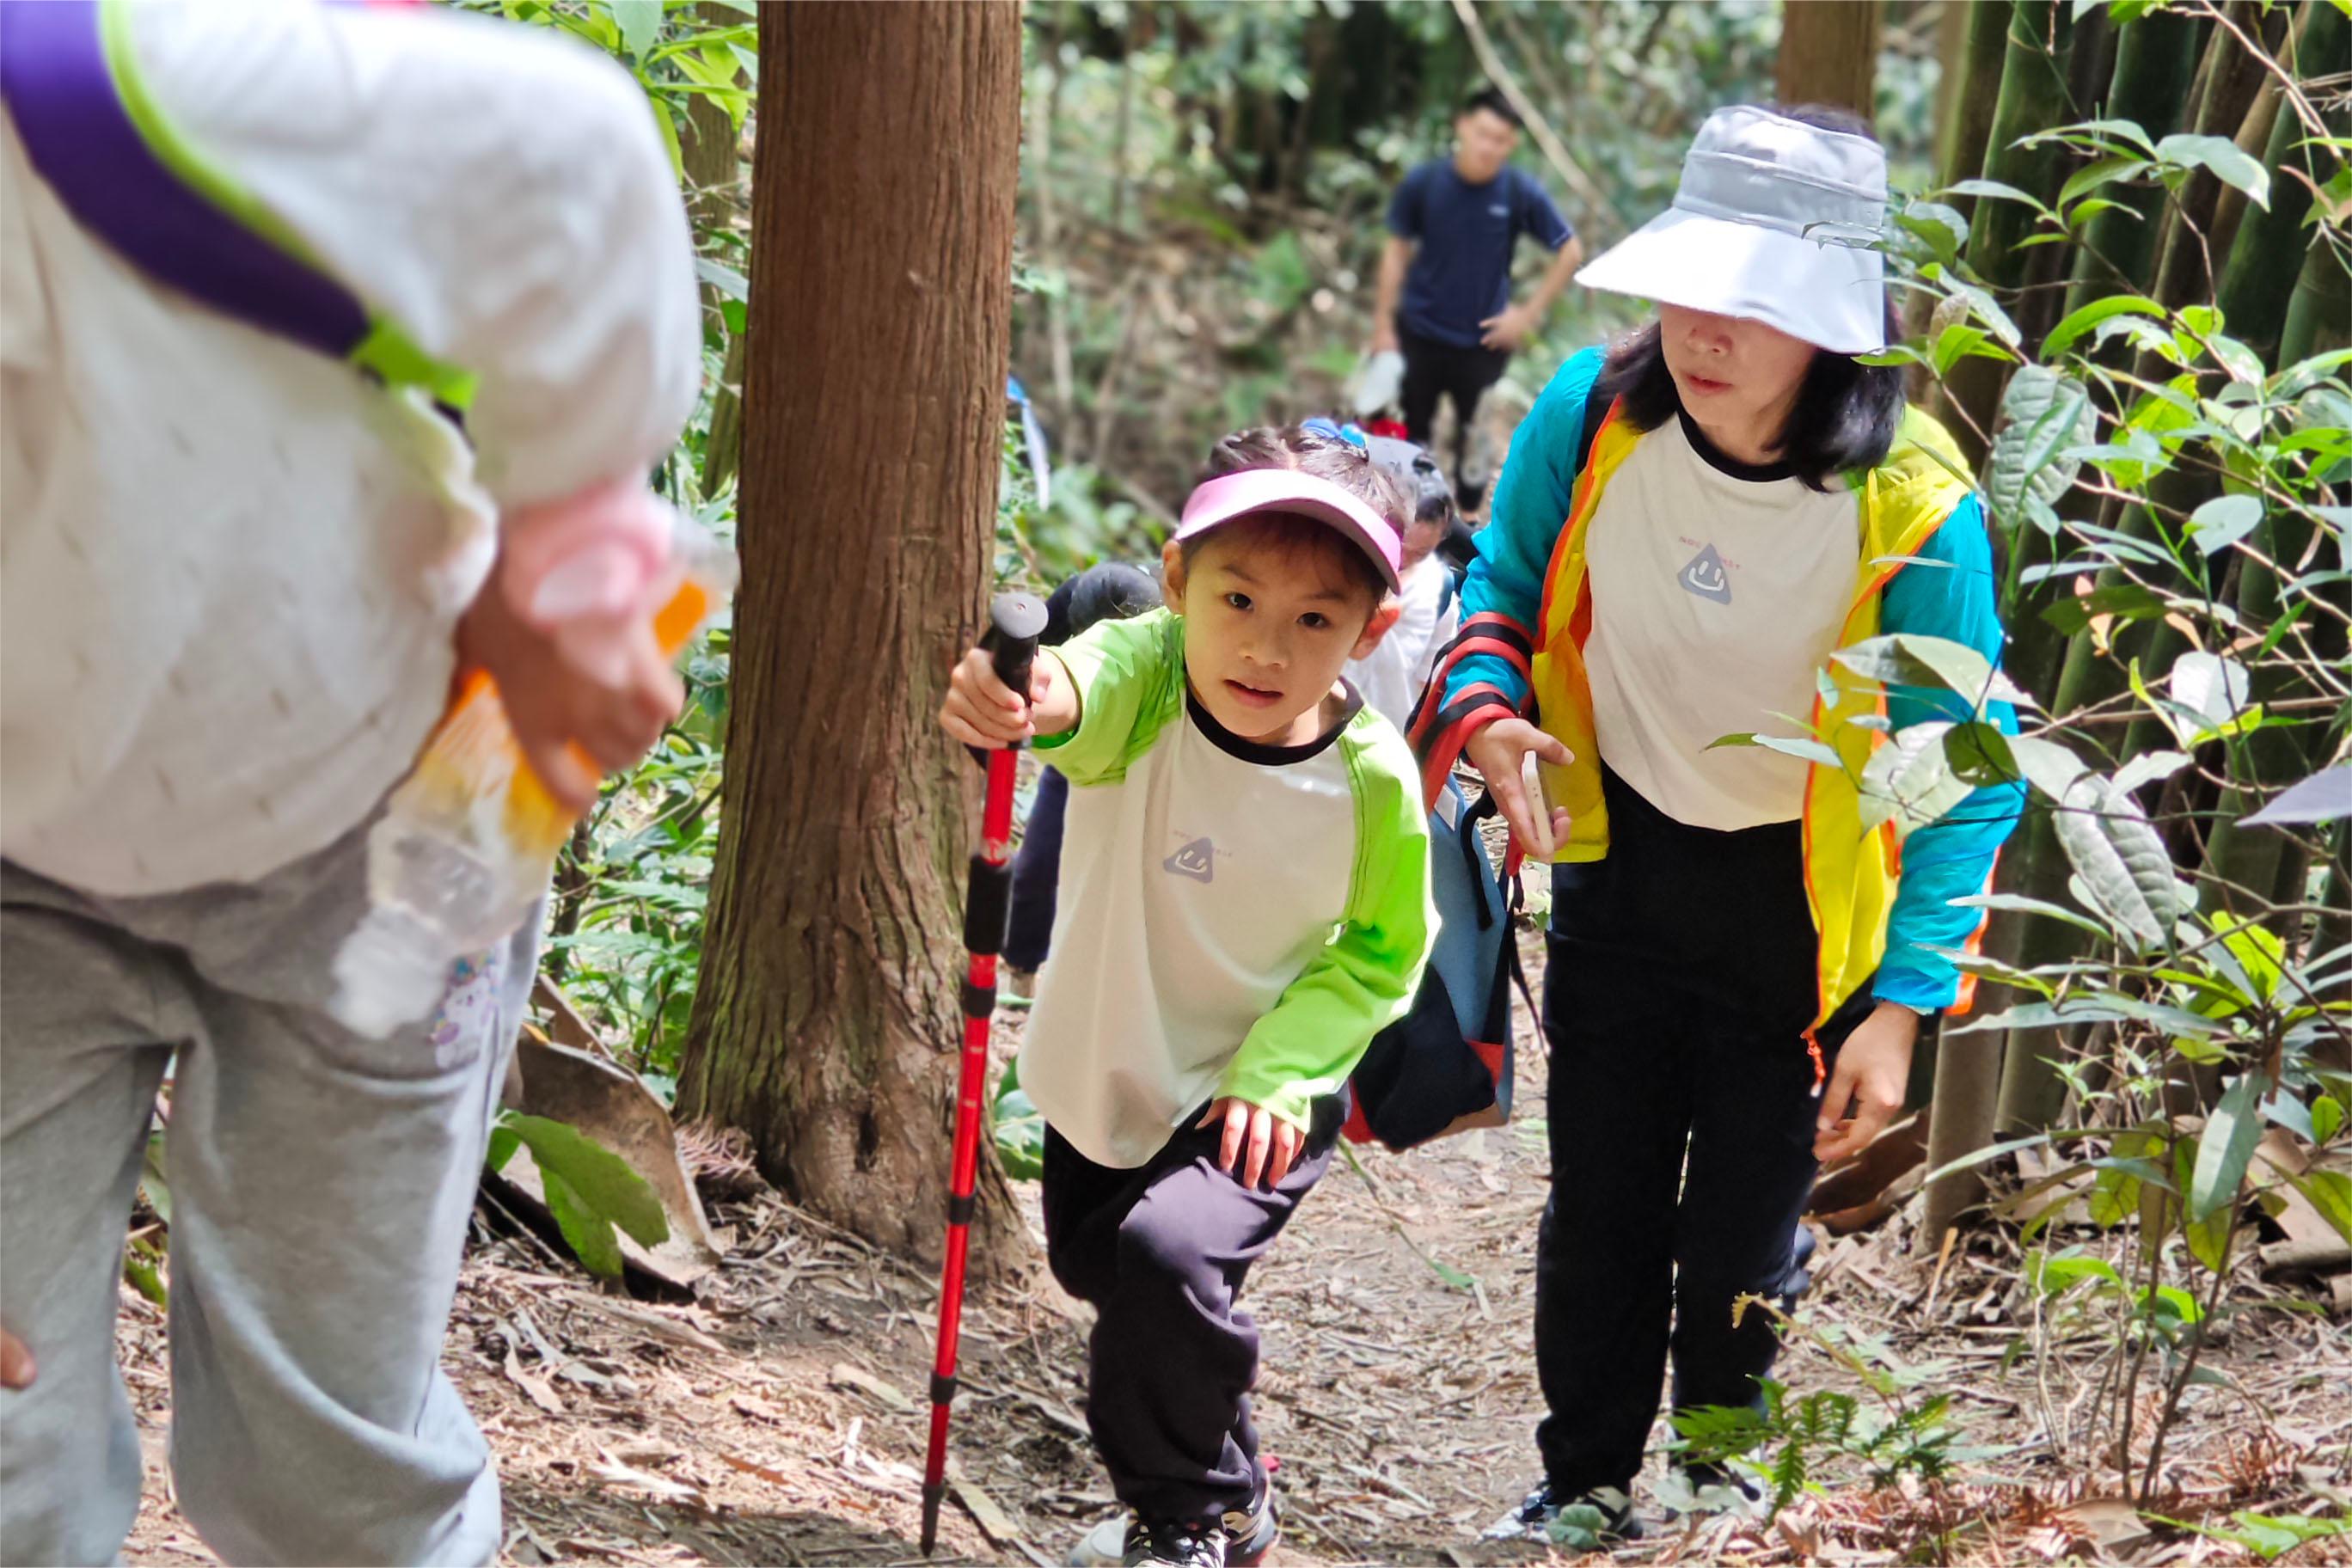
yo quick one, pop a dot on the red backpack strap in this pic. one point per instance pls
(1439, 734)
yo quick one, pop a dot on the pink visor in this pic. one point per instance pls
(1222, 500)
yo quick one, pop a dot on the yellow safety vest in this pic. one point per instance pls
(1850, 873)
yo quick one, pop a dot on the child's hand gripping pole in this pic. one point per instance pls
(1016, 621)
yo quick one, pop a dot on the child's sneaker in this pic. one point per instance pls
(1605, 1515)
(1248, 1537)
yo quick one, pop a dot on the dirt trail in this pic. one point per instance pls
(776, 1420)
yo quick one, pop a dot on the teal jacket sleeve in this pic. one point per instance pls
(1947, 592)
(1364, 979)
(1531, 503)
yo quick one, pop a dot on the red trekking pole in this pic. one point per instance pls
(1015, 621)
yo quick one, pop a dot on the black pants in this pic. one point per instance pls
(1038, 874)
(1432, 368)
(1162, 1251)
(1679, 982)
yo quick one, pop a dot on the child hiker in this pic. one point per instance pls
(1428, 603)
(240, 576)
(1687, 527)
(1245, 904)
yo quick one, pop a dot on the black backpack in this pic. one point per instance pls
(1445, 1067)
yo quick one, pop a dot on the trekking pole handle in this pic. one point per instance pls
(1015, 621)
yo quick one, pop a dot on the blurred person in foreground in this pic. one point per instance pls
(242, 576)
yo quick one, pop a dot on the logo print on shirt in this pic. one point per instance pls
(1705, 577)
(1197, 860)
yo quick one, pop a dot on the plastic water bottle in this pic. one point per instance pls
(468, 840)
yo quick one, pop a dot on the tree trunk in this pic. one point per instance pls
(2231, 79)
(1829, 53)
(713, 164)
(1968, 1078)
(826, 1023)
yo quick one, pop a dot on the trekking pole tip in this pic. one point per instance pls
(932, 1493)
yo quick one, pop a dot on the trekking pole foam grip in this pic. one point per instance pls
(987, 905)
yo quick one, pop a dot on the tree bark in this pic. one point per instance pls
(826, 1023)
(1829, 53)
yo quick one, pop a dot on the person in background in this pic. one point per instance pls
(1428, 609)
(241, 577)
(1445, 292)
(1113, 590)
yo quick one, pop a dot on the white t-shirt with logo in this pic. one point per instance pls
(1698, 564)
(1234, 919)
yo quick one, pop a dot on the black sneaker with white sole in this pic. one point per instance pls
(1601, 1517)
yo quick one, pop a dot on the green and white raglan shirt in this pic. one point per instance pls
(1234, 919)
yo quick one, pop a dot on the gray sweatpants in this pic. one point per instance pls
(320, 1185)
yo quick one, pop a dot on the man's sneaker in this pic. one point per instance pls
(1598, 1518)
(1248, 1537)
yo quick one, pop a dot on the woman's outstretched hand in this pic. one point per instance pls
(1497, 752)
(1872, 1068)
(16, 1362)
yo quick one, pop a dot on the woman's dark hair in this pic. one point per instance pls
(1325, 458)
(1492, 100)
(1846, 413)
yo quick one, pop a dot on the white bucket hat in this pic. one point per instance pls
(1769, 222)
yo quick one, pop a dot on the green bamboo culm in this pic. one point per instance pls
(2267, 257)
(2274, 258)
(2032, 97)
(2156, 62)
(1962, 154)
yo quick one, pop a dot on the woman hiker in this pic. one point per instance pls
(1736, 968)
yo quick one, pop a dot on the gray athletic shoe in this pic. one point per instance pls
(1601, 1517)
(1248, 1537)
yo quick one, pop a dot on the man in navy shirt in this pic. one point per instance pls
(1445, 276)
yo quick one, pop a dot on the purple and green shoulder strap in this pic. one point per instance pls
(97, 136)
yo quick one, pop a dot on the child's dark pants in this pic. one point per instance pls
(1162, 1251)
(1679, 982)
